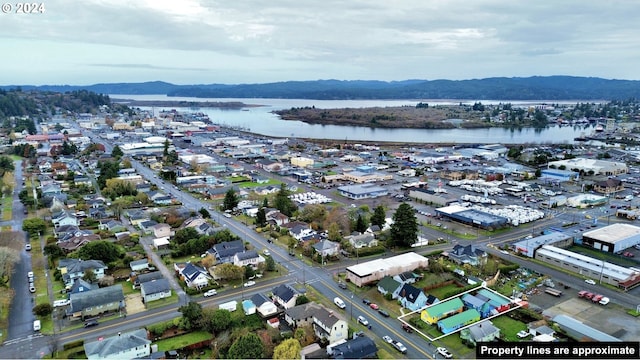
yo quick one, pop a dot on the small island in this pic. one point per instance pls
(421, 116)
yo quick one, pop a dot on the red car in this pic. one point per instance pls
(373, 306)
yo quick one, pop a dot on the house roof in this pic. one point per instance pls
(102, 296)
(475, 302)
(302, 311)
(464, 317)
(228, 248)
(114, 345)
(142, 278)
(362, 347)
(410, 292)
(139, 262)
(79, 285)
(326, 317)
(79, 266)
(444, 307)
(155, 286)
(247, 254)
(191, 272)
(259, 299)
(482, 330)
(284, 292)
(468, 250)
(325, 245)
(388, 284)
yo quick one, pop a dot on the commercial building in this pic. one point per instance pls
(472, 217)
(597, 167)
(580, 331)
(613, 238)
(363, 191)
(528, 247)
(374, 270)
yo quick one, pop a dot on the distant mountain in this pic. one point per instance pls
(498, 88)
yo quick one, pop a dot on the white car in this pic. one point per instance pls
(363, 321)
(211, 292)
(59, 303)
(249, 283)
(267, 252)
(590, 282)
(522, 334)
(387, 339)
(444, 352)
(399, 346)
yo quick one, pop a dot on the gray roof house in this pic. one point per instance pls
(285, 296)
(155, 290)
(468, 254)
(225, 251)
(327, 248)
(96, 302)
(72, 269)
(388, 285)
(361, 347)
(300, 315)
(143, 278)
(129, 345)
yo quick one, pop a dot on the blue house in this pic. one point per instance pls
(480, 305)
(412, 298)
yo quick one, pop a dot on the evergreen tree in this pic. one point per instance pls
(361, 225)
(117, 152)
(261, 218)
(282, 201)
(378, 216)
(230, 200)
(404, 230)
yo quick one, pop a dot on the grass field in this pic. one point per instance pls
(178, 342)
(7, 208)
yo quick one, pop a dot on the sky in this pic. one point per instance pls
(248, 41)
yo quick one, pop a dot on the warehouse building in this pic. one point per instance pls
(598, 167)
(613, 238)
(472, 217)
(528, 247)
(363, 191)
(625, 278)
(374, 270)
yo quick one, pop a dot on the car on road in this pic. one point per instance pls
(383, 313)
(339, 303)
(32, 288)
(249, 283)
(399, 346)
(407, 328)
(366, 301)
(30, 276)
(227, 215)
(363, 321)
(342, 285)
(590, 281)
(211, 292)
(267, 252)
(358, 334)
(522, 334)
(91, 323)
(374, 306)
(27, 247)
(444, 352)
(387, 339)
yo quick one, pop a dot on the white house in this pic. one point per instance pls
(194, 276)
(155, 290)
(247, 257)
(327, 325)
(130, 345)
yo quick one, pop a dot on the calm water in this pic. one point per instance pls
(260, 120)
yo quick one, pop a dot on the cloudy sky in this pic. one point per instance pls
(249, 41)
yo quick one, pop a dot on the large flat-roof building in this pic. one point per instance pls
(613, 238)
(472, 217)
(528, 247)
(363, 191)
(599, 167)
(374, 270)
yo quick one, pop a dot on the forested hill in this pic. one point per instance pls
(499, 88)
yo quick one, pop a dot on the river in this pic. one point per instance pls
(261, 120)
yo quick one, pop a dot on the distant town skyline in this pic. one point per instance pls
(246, 41)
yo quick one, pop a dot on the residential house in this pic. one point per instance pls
(64, 229)
(300, 230)
(441, 310)
(81, 180)
(64, 218)
(247, 257)
(155, 290)
(100, 213)
(457, 321)
(481, 332)
(327, 248)
(468, 254)
(59, 169)
(388, 285)
(147, 226)
(112, 226)
(276, 218)
(162, 230)
(194, 276)
(264, 306)
(136, 217)
(300, 315)
(363, 240)
(360, 347)
(96, 202)
(412, 298)
(143, 278)
(407, 277)
(75, 242)
(139, 265)
(224, 252)
(485, 308)
(72, 269)
(51, 189)
(96, 302)
(329, 326)
(129, 345)
(145, 187)
(285, 296)
(79, 285)
(499, 302)
(269, 165)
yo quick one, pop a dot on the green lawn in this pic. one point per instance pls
(162, 302)
(178, 342)
(7, 208)
(508, 327)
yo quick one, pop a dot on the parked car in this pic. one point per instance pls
(249, 283)
(366, 301)
(91, 323)
(383, 313)
(407, 328)
(522, 334)
(374, 306)
(387, 339)
(32, 288)
(211, 292)
(363, 321)
(267, 252)
(339, 303)
(342, 285)
(358, 334)
(60, 303)
(399, 346)
(590, 281)
(27, 247)
(444, 352)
